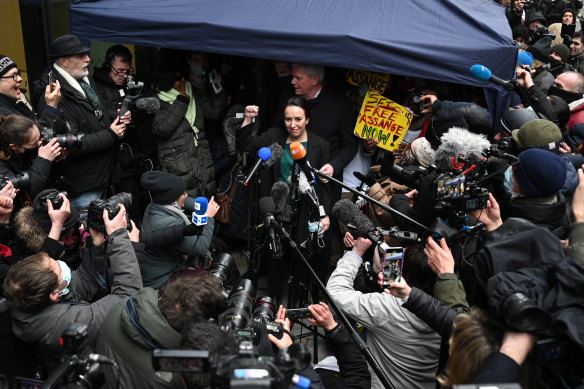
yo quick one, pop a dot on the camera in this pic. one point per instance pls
(540, 32)
(409, 176)
(55, 199)
(224, 269)
(96, 208)
(20, 181)
(68, 141)
(242, 316)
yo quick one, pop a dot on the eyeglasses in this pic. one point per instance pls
(14, 76)
(127, 72)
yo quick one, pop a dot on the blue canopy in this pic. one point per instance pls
(437, 39)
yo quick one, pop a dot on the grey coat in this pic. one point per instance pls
(44, 328)
(175, 140)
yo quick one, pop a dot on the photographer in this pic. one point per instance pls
(23, 157)
(47, 297)
(401, 342)
(153, 319)
(168, 193)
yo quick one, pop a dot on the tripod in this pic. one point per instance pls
(356, 338)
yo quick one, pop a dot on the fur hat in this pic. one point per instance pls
(165, 188)
(422, 150)
(459, 142)
(541, 49)
(562, 50)
(540, 173)
(536, 133)
(5, 64)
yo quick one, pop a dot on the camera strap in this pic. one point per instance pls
(135, 319)
(103, 280)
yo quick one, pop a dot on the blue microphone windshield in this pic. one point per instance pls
(265, 153)
(480, 72)
(201, 204)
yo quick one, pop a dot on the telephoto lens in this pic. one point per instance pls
(222, 267)
(265, 310)
(239, 306)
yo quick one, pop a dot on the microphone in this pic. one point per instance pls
(280, 192)
(484, 74)
(267, 208)
(277, 152)
(349, 214)
(148, 104)
(299, 156)
(200, 217)
(264, 154)
(305, 188)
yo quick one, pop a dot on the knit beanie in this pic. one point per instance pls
(525, 58)
(536, 133)
(165, 188)
(541, 49)
(41, 212)
(562, 51)
(540, 173)
(443, 120)
(5, 64)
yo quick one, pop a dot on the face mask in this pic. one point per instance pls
(197, 69)
(570, 97)
(554, 62)
(66, 277)
(30, 153)
(508, 183)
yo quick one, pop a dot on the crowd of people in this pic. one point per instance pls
(102, 237)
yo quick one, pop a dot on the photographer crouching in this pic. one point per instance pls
(47, 297)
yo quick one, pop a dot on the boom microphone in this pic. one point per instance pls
(280, 192)
(484, 74)
(264, 154)
(148, 104)
(347, 213)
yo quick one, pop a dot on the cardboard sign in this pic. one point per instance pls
(384, 120)
(375, 81)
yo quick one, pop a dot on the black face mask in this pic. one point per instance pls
(30, 153)
(555, 63)
(568, 96)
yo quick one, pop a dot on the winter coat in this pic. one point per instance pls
(38, 170)
(87, 167)
(543, 79)
(404, 345)
(576, 238)
(578, 63)
(120, 340)
(111, 94)
(317, 153)
(177, 151)
(48, 118)
(158, 265)
(43, 329)
(538, 211)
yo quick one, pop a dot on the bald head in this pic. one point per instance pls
(570, 81)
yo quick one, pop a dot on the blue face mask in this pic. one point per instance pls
(508, 183)
(66, 277)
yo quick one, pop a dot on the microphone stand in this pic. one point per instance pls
(385, 207)
(356, 338)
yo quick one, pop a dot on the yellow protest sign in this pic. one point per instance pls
(375, 81)
(384, 120)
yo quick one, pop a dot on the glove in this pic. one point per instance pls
(368, 179)
(190, 230)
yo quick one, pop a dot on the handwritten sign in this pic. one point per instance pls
(384, 120)
(375, 81)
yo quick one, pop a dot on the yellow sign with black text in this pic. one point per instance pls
(377, 82)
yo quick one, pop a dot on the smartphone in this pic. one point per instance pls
(214, 80)
(298, 313)
(392, 262)
(52, 80)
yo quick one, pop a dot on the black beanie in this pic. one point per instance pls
(541, 49)
(563, 51)
(165, 188)
(5, 64)
(41, 212)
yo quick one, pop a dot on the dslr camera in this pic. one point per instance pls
(96, 208)
(20, 181)
(55, 199)
(68, 141)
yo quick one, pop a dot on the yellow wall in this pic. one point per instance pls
(12, 43)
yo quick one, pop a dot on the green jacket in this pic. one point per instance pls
(120, 340)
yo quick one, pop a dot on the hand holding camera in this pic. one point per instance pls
(323, 317)
(6, 207)
(440, 257)
(9, 190)
(119, 127)
(286, 340)
(119, 221)
(489, 216)
(59, 210)
(399, 289)
(50, 151)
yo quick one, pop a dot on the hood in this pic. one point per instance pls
(150, 318)
(101, 75)
(28, 230)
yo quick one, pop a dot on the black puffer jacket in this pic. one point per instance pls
(111, 94)
(87, 167)
(177, 151)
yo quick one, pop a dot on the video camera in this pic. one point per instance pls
(96, 208)
(68, 140)
(133, 92)
(540, 32)
(246, 369)
(20, 181)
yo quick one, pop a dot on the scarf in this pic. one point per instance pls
(170, 96)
